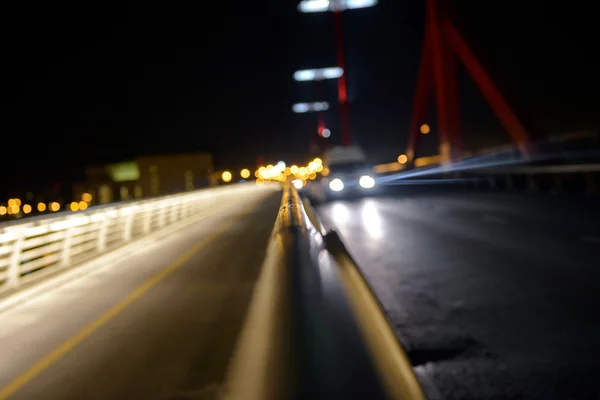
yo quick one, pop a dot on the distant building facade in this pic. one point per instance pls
(167, 174)
(147, 176)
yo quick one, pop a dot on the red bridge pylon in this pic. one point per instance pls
(437, 74)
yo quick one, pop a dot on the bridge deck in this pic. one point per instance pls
(161, 324)
(493, 295)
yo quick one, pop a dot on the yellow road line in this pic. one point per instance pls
(83, 334)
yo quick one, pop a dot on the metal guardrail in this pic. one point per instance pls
(568, 178)
(541, 169)
(35, 248)
(556, 178)
(314, 328)
(556, 156)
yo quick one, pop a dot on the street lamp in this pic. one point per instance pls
(310, 6)
(300, 108)
(318, 74)
(226, 176)
(337, 6)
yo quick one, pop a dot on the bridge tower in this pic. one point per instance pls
(442, 45)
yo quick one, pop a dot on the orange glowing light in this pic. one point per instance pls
(226, 176)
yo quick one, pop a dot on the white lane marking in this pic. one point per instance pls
(591, 239)
(494, 219)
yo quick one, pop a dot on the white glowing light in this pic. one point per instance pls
(336, 185)
(304, 75)
(321, 106)
(300, 108)
(318, 74)
(372, 220)
(340, 213)
(310, 6)
(332, 73)
(366, 182)
(354, 4)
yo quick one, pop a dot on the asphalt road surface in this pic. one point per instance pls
(494, 296)
(161, 324)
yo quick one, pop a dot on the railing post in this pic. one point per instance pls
(147, 218)
(198, 210)
(185, 209)
(66, 250)
(557, 184)
(590, 187)
(208, 205)
(182, 210)
(13, 276)
(531, 186)
(509, 183)
(175, 206)
(162, 216)
(128, 225)
(102, 233)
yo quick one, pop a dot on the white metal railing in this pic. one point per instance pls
(30, 249)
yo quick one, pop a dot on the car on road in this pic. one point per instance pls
(347, 174)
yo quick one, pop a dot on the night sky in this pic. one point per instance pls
(88, 83)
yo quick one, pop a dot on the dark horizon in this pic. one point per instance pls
(88, 85)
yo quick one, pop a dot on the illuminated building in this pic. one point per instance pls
(146, 176)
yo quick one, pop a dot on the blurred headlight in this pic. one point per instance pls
(366, 182)
(336, 185)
